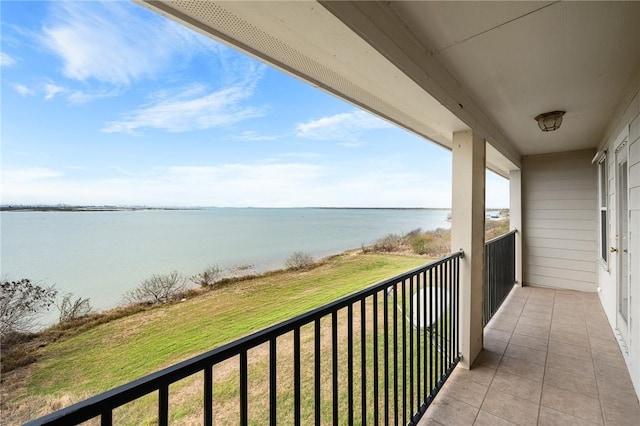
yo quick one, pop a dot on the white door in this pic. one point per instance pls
(622, 249)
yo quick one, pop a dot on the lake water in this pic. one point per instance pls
(101, 255)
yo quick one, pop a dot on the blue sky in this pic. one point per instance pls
(109, 103)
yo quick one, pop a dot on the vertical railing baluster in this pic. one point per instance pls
(163, 405)
(106, 419)
(334, 364)
(208, 395)
(418, 343)
(316, 373)
(273, 382)
(411, 383)
(244, 389)
(404, 353)
(376, 407)
(385, 312)
(440, 322)
(363, 359)
(395, 354)
(431, 341)
(297, 382)
(350, 363)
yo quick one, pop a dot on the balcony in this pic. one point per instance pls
(549, 358)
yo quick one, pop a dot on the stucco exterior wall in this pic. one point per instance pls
(558, 202)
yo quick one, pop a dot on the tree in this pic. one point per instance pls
(299, 260)
(158, 289)
(73, 309)
(207, 278)
(20, 303)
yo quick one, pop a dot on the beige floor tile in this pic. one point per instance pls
(494, 345)
(488, 359)
(619, 404)
(480, 374)
(536, 314)
(535, 321)
(609, 359)
(466, 391)
(618, 376)
(576, 405)
(506, 326)
(572, 339)
(488, 419)
(522, 368)
(517, 386)
(511, 408)
(571, 364)
(451, 412)
(580, 384)
(426, 421)
(529, 342)
(551, 417)
(541, 332)
(607, 346)
(567, 349)
(492, 333)
(616, 394)
(526, 354)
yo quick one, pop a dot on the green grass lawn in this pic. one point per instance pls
(117, 352)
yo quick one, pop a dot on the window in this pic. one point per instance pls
(603, 184)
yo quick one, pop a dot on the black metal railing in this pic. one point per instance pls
(499, 272)
(377, 356)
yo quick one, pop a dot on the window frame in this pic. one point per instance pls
(603, 213)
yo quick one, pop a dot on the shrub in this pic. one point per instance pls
(158, 289)
(389, 243)
(20, 303)
(71, 310)
(495, 228)
(299, 260)
(208, 278)
(434, 243)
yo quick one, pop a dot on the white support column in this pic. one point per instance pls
(515, 217)
(467, 233)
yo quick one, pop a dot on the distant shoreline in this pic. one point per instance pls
(70, 208)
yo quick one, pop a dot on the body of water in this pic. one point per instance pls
(102, 254)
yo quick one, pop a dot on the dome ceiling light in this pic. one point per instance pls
(550, 121)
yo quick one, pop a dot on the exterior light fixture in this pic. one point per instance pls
(550, 121)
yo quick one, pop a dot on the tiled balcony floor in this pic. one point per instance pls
(550, 358)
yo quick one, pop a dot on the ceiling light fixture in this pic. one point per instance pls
(550, 121)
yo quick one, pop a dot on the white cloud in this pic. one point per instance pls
(340, 126)
(250, 135)
(191, 110)
(114, 43)
(51, 90)
(6, 60)
(22, 90)
(28, 175)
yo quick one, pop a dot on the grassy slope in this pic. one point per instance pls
(115, 353)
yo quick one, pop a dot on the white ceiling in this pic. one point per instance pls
(440, 67)
(519, 59)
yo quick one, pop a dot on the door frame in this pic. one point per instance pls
(622, 273)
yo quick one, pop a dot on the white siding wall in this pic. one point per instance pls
(627, 124)
(634, 246)
(559, 215)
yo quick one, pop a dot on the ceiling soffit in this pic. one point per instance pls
(519, 59)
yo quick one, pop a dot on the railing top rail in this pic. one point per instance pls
(500, 237)
(118, 396)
